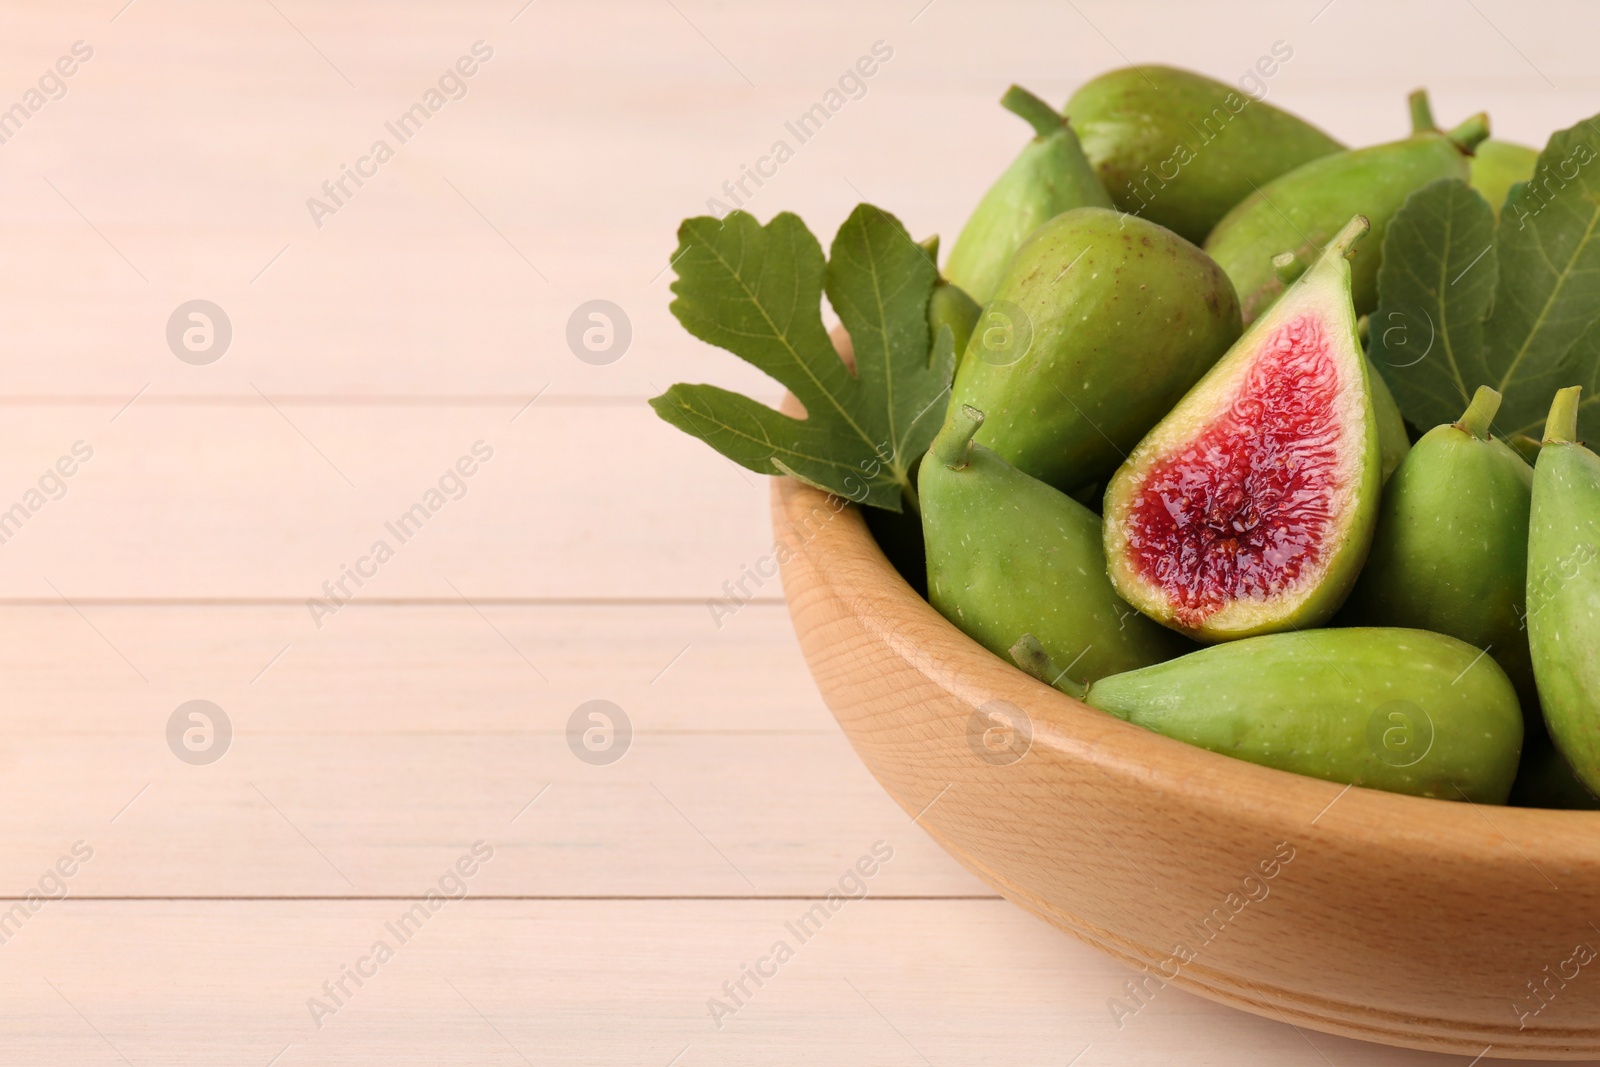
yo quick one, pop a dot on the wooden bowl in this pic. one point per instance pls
(1412, 922)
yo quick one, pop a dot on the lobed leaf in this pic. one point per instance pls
(1436, 285)
(1464, 302)
(756, 291)
(1549, 292)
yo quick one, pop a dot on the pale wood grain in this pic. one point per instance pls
(194, 138)
(247, 500)
(364, 751)
(602, 983)
(327, 813)
(402, 670)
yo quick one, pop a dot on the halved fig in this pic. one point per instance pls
(1250, 508)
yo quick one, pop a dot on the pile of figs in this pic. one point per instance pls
(1171, 484)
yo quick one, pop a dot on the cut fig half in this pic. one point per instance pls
(1250, 508)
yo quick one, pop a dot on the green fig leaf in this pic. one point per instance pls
(1549, 292)
(1526, 325)
(756, 291)
(1580, 366)
(1434, 289)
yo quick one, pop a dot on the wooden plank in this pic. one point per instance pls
(882, 982)
(359, 813)
(562, 174)
(255, 499)
(385, 669)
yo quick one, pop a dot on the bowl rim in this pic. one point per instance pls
(848, 559)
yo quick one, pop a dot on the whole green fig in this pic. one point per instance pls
(1304, 208)
(1180, 149)
(1450, 552)
(1101, 323)
(1049, 177)
(1408, 711)
(1564, 588)
(1008, 554)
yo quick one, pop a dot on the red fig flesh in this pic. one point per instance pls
(1250, 507)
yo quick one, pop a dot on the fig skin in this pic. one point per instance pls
(1302, 210)
(1498, 165)
(1050, 176)
(1322, 291)
(1393, 440)
(1008, 554)
(949, 304)
(1180, 149)
(1124, 316)
(1341, 705)
(1450, 553)
(1564, 589)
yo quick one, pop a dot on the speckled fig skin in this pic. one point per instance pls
(1050, 176)
(1564, 589)
(1408, 711)
(1180, 149)
(1302, 210)
(1124, 317)
(1450, 553)
(1322, 294)
(1008, 554)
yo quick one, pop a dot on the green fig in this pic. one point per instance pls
(1180, 149)
(1008, 554)
(1450, 552)
(1393, 439)
(1250, 507)
(1302, 209)
(950, 305)
(1564, 588)
(1049, 177)
(1408, 711)
(1497, 166)
(1101, 323)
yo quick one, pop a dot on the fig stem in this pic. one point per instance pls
(1470, 133)
(1044, 119)
(1030, 655)
(953, 445)
(1346, 238)
(1287, 267)
(1480, 413)
(930, 245)
(1421, 112)
(1562, 425)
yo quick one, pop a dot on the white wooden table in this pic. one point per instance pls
(224, 906)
